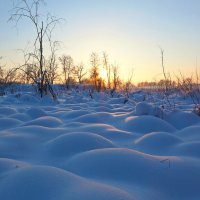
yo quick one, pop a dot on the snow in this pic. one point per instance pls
(181, 120)
(102, 148)
(35, 112)
(66, 144)
(6, 123)
(46, 121)
(143, 108)
(147, 124)
(34, 183)
(164, 142)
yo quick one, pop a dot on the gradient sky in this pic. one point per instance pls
(130, 31)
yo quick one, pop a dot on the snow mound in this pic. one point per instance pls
(105, 130)
(190, 133)
(74, 114)
(28, 99)
(157, 142)
(46, 121)
(143, 108)
(100, 117)
(35, 112)
(188, 149)
(173, 177)
(182, 120)
(7, 123)
(48, 100)
(15, 145)
(139, 97)
(102, 109)
(7, 111)
(70, 144)
(120, 100)
(20, 116)
(147, 124)
(54, 184)
(7, 165)
(37, 134)
(115, 164)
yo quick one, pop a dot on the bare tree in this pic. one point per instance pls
(108, 69)
(42, 27)
(52, 65)
(167, 81)
(80, 72)
(1, 70)
(29, 68)
(115, 70)
(128, 85)
(67, 68)
(190, 87)
(163, 68)
(30, 73)
(94, 71)
(7, 78)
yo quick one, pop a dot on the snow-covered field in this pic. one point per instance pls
(100, 149)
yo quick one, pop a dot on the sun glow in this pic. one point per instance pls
(103, 73)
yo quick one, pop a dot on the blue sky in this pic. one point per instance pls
(129, 30)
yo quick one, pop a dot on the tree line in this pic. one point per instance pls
(44, 70)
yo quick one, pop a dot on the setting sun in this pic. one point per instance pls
(103, 73)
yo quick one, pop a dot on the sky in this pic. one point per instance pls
(130, 31)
